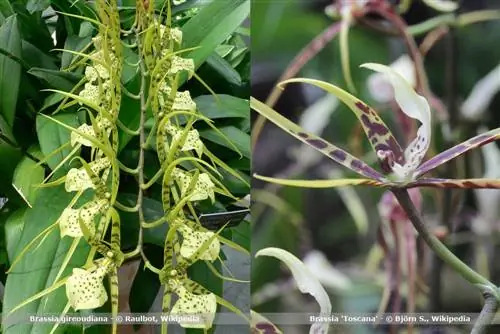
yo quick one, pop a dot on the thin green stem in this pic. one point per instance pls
(437, 246)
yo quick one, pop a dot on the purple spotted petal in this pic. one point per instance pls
(457, 150)
(379, 135)
(456, 183)
(319, 144)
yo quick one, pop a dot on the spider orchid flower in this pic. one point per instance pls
(306, 281)
(203, 189)
(193, 240)
(78, 179)
(85, 289)
(401, 168)
(188, 303)
(68, 222)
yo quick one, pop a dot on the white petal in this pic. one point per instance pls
(442, 5)
(85, 290)
(481, 95)
(194, 240)
(414, 106)
(380, 87)
(306, 282)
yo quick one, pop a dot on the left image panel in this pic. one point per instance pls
(125, 166)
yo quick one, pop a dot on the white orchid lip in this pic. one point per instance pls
(413, 106)
(306, 282)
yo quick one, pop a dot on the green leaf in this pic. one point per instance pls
(239, 139)
(13, 230)
(39, 266)
(241, 235)
(222, 66)
(10, 70)
(60, 80)
(224, 106)
(52, 136)
(211, 26)
(37, 5)
(26, 176)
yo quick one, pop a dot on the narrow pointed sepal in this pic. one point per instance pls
(331, 151)
(323, 183)
(457, 150)
(456, 183)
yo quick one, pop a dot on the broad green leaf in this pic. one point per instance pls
(34, 57)
(238, 138)
(39, 266)
(13, 230)
(331, 151)
(221, 66)
(10, 70)
(211, 26)
(37, 5)
(224, 106)
(60, 80)
(27, 176)
(52, 136)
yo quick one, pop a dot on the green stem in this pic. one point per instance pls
(437, 246)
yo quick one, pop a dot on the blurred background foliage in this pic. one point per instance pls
(300, 220)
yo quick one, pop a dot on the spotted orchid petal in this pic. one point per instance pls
(174, 34)
(379, 135)
(85, 289)
(457, 150)
(416, 107)
(331, 151)
(442, 5)
(192, 140)
(456, 183)
(69, 224)
(78, 179)
(306, 282)
(182, 101)
(78, 139)
(194, 240)
(203, 189)
(181, 64)
(381, 89)
(203, 305)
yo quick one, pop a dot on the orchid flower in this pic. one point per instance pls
(79, 179)
(306, 281)
(68, 221)
(84, 288)
(193, 240)
(203, 189)
(402, 168)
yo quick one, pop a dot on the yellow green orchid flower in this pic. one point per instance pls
(78, 179)
(194, 240)
(68, 222)
(203, 189)
(85, 289)
(188, 303)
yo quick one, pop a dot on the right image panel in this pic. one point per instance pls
(375, 194)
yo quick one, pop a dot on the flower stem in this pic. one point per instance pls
(487, 313)
(437, 246)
